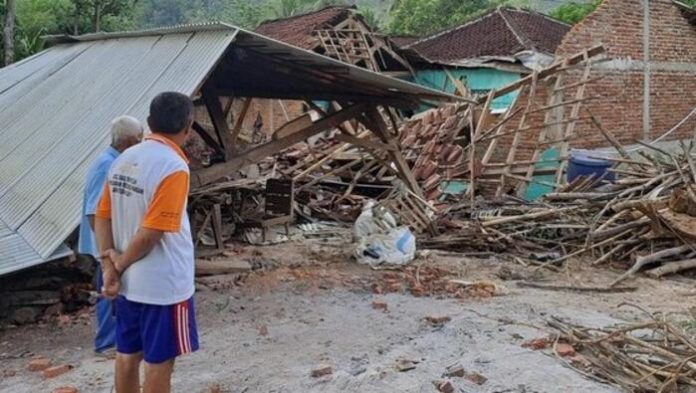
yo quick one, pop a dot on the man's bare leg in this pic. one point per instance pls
(128, 372)
(158, 377)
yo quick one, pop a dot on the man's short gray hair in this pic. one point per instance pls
(124, 127)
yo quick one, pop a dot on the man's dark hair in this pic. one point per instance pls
(170, 112)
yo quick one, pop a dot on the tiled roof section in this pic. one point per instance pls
(503, 32)
(298, 30)
(543, 33)
(403, 40)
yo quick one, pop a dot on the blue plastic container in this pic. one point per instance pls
(580, 164)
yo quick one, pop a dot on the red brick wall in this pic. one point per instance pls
(618, 24)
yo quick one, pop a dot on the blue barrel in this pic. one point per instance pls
(580, 164)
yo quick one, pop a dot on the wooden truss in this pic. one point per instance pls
(503, 165)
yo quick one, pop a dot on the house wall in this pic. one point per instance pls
(648, 84)
(479, 80)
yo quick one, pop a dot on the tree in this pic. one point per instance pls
(420, 17)
(9, 31)
(573, 12)
(95, 12)
(370, 17)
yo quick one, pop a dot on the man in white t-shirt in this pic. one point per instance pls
(144, 237)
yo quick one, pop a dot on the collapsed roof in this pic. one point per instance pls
(56, 108)
(342, 33)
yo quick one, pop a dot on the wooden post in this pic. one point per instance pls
(209, 175)
(217, 116)
(240, 118)
(382, 131)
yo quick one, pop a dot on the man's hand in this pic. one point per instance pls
(111, 276)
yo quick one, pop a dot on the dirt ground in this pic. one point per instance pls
(309, 304)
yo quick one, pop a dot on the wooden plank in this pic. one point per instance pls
(210, 268)
(209, 140)
(293, 126)
(209, 175)
(485, 114)
(557, 67)
(364, 143)
(517, 137)
(575, 112)
(217, 226)
(240, 118)
(212, 103)
(556, 96)
(382, 130)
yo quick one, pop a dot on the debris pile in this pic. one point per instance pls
(653, 356)
(645, 218)
(47, 292)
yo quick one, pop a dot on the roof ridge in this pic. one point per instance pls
(341, 7)
(524, 41)
(453, 28)
(536, 13)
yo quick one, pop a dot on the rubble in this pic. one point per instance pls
(39, 364)
(444, 386)
(379, 305)
(66, 389)
(650, 356)
(437, 320)
(55, 371)
(321, 370)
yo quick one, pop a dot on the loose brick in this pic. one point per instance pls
(476, 378)
(321, 370)
(66, 389)
(39, 364)
(445, 387)
(55, 371)
(456, 371)
(565, 350)
(378, 305)
(438, 320)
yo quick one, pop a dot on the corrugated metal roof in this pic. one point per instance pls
(56, 108)
(55, 116)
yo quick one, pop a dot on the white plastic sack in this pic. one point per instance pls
(396, 248)
(366, 224)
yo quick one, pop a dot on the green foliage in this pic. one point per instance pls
(420, 17)
(574, 12)
(689, 2)
(370, 16)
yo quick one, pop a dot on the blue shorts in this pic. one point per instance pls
(160, 332)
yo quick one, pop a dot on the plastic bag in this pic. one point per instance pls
(395, 248)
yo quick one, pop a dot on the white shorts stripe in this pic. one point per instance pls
(187, 335)
(179, 329)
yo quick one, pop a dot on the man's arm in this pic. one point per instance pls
(140, 245)
(164, 215)
(103, 234)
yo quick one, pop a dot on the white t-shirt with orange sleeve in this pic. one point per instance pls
(148, 187)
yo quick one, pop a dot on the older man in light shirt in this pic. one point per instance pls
(126, 131)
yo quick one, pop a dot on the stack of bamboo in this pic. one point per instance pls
(654, 356)
(647, 217)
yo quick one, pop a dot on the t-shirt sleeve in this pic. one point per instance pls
(167, 207)
(104, 207)
(94, 190)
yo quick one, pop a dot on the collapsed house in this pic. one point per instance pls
(57, 105)
(486, 53)
(339, 32)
